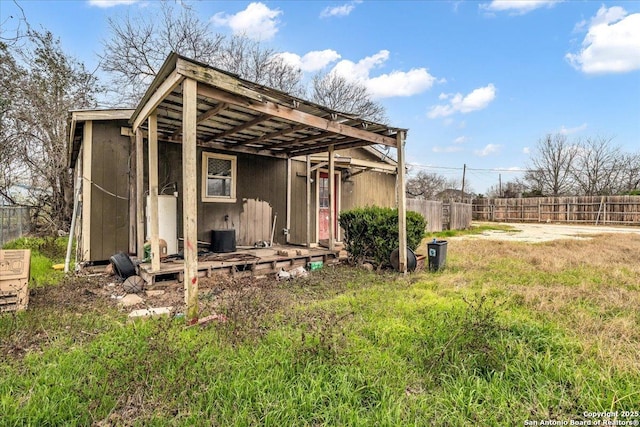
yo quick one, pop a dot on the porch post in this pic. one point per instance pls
(190, 197)
(308, 201)
(332, 204)
(153, 192)
(402, 204)
(139, 194)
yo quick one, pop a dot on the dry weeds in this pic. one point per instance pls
(590, 287)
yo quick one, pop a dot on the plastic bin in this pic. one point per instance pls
(437, 253)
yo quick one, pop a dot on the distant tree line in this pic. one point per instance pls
(593, 166)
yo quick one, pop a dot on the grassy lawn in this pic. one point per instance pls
(508, 332)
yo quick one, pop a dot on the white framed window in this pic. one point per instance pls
(218, 178)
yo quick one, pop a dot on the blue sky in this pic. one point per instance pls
(476, 83)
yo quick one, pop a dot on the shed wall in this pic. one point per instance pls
(109, 174)
(260, 194)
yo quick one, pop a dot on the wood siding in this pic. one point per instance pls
(260, 180)
(110, 178)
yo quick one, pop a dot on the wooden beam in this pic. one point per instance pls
(296, 116)
(190, 196)
(139, 194)
(153, 192)
(332, 202)
(358, 163)
(402, 205)
(341, 144)
(261, 118)
(89, 115)
(212, 112)
(308, 201)
(165, 88)
(209, 76)
(87, 158)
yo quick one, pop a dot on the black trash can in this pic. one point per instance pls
(437, 252)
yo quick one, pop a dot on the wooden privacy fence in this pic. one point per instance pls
(442, 216)
(585, 209)
(15, 222)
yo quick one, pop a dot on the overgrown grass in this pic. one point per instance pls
(508, 332)
(45, 252)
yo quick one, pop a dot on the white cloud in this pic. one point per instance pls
(400, 83)
(395, 83)
(488, 149)
(110, 3)
(568, 131)
(448, 149)
(312, 61)
(343, 10)
(612, 43)
(460, 140)
(526, 150)
(257, 21)
(478, 99)
(519, 7)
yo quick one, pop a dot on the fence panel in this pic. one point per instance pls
(618, 210)
(15, 222)
(431, 210)
(460, 216)
(442, 216)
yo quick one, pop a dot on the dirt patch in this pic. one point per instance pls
(536, 233)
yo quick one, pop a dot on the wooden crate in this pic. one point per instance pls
(14, 279)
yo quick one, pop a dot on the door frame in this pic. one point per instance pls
(338, 197)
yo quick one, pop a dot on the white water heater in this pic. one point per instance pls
(167, 221)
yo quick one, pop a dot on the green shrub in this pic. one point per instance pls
(371, 233)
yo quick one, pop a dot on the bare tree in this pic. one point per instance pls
(252, 61)
(550, 171)
(338, 93)
(509, 189)
(138, 46)
(425, 185)
(597, 167)
(40, 84)
(629, 179)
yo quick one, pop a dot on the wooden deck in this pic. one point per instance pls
(248, 262)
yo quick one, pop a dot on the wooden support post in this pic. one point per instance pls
(153, 192)
(190, 196)
(288, 218)
(332, 202)
(402, 204)
(87, 161)
(308, 201)
(139, 194)
(132, 194)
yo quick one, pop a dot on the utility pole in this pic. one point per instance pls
(500, 184)
(464, 172)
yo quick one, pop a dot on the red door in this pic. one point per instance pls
(323, 206)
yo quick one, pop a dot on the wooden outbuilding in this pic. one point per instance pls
(233, 155)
